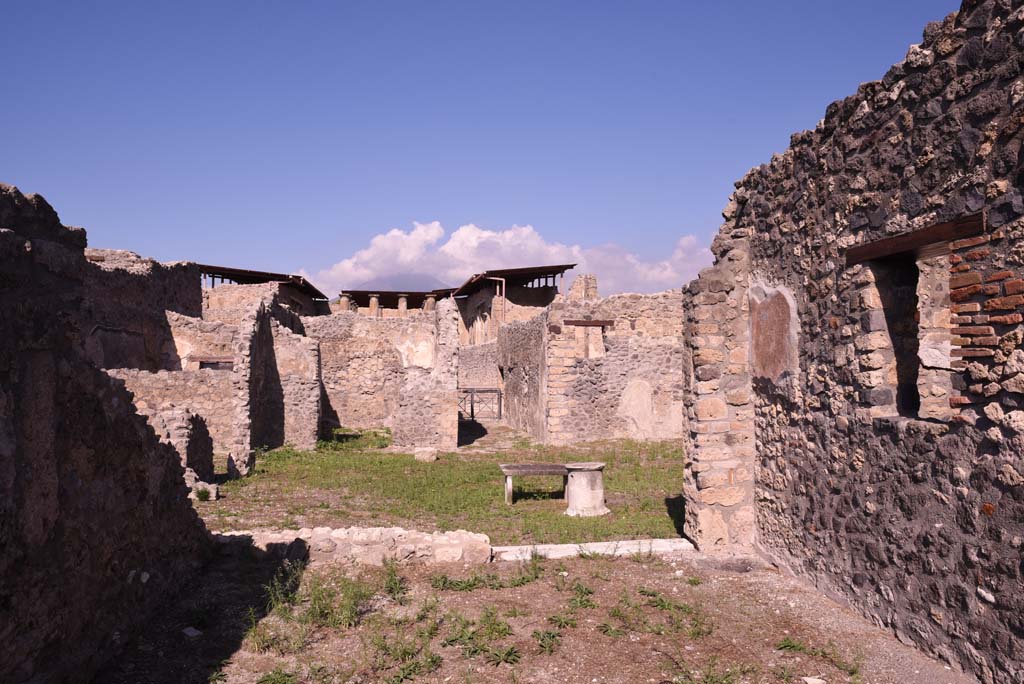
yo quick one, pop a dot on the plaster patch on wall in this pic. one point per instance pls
(774, 332)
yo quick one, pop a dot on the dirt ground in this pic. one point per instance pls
(690, 620)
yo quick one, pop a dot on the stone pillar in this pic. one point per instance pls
(344, 302)
(429, 302)
(719, 487)
(584, 490)
(403, 304)
(374, 305)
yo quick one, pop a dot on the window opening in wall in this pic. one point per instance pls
(217, 365)
(896, 278)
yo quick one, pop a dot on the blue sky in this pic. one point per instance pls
(286, 135)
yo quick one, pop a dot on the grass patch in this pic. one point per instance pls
(829, 655)
(351, 483)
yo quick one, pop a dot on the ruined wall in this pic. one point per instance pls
(522, 356)
(399, 373)
(917, 522)
(483, 312)
(207, 393)
(233, 303)
(124, 325)
(478, 366)
(598, 368)
(96, 527)
(297, 361)
(197, 341)
(621, 379)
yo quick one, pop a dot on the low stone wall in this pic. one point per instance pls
(370, 545)
(478, 366)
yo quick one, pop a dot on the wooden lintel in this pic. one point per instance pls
(930, 241)
(588, 323)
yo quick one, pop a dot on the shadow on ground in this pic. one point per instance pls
(470, 431)
(228, 597)
(676, 507)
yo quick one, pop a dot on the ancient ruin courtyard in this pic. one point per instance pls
(345, 485)
(436, 343)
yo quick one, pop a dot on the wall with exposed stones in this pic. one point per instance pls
(478, 366)
(97, 528)
(483, 312)
(615, 368)
(400, 373)
(887, 456)
(588, 369)
(206, 393)
(124, 323)
(522, 356)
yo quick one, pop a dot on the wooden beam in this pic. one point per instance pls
(592, 324)
(927, 242)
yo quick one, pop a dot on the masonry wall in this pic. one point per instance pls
(399, 373)
(478, 366)
(483, 312)
(918, 523)
(623, 378)
(207, 393)
(522, 356)
(196, 341)
(97, 528)
(124, 325)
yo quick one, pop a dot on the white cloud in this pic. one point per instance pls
(471, 249)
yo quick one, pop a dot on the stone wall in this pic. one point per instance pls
(199, 342)
(399, 373)
(598, 369)
(478, 366)
(615, 368)
(97, 529)
(124, 323)
(522, 356)
(483, 312)
(918, 523)
(206, 393)
(370, 545)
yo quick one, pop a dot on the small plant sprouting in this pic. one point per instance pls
(203, 494)
(395, 585)
(497, 656)
(694, 581)
(611, 630)
(278, 676)
(581, 596)
(562, 621)
(547, 640)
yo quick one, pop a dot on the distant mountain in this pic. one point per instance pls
(411, 282)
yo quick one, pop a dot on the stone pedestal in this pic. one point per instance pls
(584, 490)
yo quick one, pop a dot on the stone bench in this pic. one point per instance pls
(521, 469)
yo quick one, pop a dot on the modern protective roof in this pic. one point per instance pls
(515, 275)
(244, 276)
